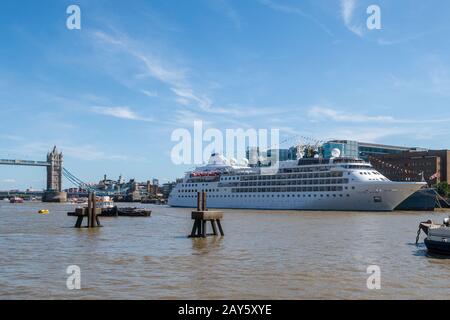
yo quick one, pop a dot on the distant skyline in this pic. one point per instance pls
(110, 95)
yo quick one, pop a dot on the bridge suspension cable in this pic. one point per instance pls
(77, 182)
(83, 185)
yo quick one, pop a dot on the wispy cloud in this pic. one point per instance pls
(225, 8)
(369, 134)
(120, 112)
(8, 181)
(390, 42)
(359, 133)
(431, 76)
(187, 95)
(439, 74)
(174, 77)
(319, 113)
(347, 10)
(154, 66)
(10, 137)
(36, 149)
(294, 10)
(186, 118)
(89, 152)
(151, 94)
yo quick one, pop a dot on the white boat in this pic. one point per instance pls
(104, 202)
(339, 183)
(16, 200)
(78, 201)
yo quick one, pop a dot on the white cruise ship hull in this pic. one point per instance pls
(380, 196)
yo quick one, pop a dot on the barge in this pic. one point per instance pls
(438, 236)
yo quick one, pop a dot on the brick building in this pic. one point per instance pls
(409, 165)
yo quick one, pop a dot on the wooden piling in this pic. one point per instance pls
(90, 212)
(199, 200)
(204, 201)
(202, 215)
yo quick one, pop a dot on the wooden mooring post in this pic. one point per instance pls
(202, 215)
(91, 212)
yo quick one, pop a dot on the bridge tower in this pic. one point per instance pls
(54, 191)
(54, 171)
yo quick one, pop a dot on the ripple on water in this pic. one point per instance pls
(264, 255)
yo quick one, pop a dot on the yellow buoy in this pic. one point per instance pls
(44, 211)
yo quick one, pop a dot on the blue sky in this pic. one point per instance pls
(110, 95)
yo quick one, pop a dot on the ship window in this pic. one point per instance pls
(377, 199)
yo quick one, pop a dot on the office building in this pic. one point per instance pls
(432, 165)
(363, 150)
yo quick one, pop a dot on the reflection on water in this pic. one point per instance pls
(264, 254)
(205, 246)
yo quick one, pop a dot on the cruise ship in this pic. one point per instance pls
(335, 184)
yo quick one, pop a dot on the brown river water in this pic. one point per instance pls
(264, 255)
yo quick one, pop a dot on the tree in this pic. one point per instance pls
(443, 188)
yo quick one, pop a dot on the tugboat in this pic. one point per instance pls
(438, 236)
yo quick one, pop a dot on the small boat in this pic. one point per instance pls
(104, 202)
(82, 200)
(16, 200)
(438, 236)
(44, 211)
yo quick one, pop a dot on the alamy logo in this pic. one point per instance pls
(374, 280)
(374, 20)
(74, 279)
(73, 22)
(190, 148)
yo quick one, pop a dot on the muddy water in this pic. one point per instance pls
(264, 255)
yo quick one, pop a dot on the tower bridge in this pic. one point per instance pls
(54, 165)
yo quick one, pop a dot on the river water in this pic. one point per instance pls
(264, 255)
